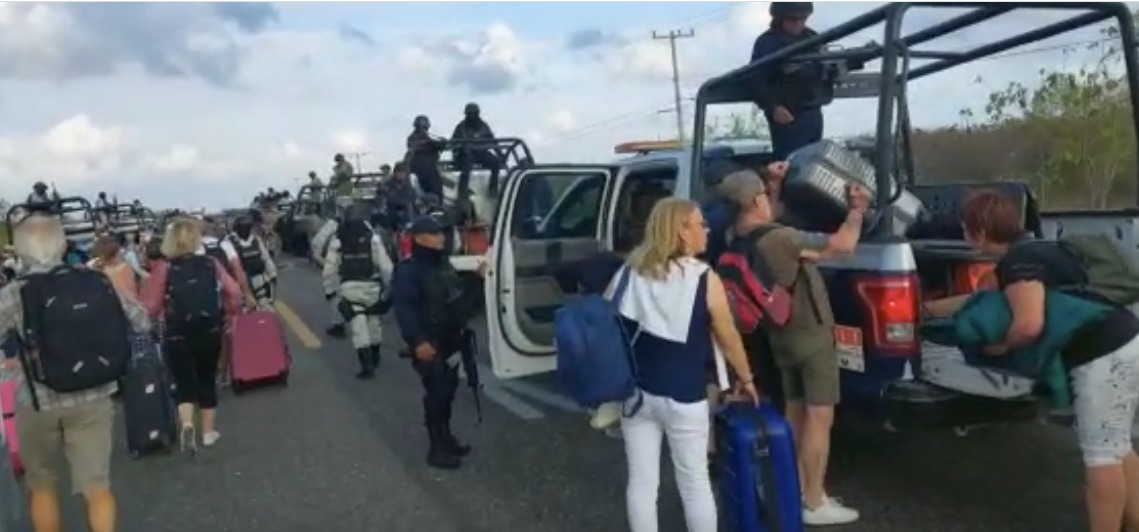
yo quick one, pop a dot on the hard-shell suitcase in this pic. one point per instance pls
(259, 353)
(9, 388)
(148, 407)
(14, 516)
(759, 473)
(817, 180)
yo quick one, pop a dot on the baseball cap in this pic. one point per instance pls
(741, 187)
(424, 225)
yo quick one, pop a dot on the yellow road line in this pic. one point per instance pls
(301, 330)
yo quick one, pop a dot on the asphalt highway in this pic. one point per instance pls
(333, 454)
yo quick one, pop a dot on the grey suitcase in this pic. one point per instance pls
(13, 502)
(816, 183)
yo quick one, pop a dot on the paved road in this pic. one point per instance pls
(334, 454)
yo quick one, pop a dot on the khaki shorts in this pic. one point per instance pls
(83, 433)
(813, 380)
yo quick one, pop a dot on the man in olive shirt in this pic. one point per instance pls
(342, 173)
(804, 348)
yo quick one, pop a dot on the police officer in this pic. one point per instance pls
(477, 147)
(256, 260)
(358, 261)
(399, 196)
(791, 96)
(423, 156)
(432, 310)
(342, 173)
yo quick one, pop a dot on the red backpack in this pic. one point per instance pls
(755, 298)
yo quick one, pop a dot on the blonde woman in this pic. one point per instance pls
(678, 311)
(192, 293)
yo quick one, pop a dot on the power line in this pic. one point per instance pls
(589, 129)
(672, 36)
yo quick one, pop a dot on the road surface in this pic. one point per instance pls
(334, 454)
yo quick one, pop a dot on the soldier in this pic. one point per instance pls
(358, 262)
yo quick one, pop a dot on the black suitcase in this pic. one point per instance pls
(151, 416)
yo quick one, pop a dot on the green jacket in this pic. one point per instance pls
(985, 320)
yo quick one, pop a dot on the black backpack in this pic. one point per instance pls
(193, 296)
(78, 335)
(214, 249)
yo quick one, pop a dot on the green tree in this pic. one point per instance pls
(751, 125)
(1078, 130)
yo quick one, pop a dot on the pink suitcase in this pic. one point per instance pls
(258, 353)
(8, 390)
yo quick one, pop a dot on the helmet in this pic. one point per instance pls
(311, 173)
(338, 157)
(471, 109)
(421, 122)
(791, 9)
(39, 186)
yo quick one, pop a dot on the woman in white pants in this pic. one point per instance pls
(677, 311)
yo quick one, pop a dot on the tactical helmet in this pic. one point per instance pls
(39, 186)
(421, 122)
(471, 109)
(338, 157)
(780, 10)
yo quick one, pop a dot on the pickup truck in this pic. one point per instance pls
(889, 374)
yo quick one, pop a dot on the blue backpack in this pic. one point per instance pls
(595, 352)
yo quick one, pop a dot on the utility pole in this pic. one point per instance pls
(357, 156)
(672, 36)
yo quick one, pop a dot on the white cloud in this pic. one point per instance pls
(308, 93)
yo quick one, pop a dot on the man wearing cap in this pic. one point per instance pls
(433, 309)
(358, 267)
(803, 349)
(791, 95)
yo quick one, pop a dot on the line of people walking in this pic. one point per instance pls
(71, 332)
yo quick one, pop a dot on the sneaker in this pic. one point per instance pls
(607, 415)
(210, 438)
(188, 440)
(832, 512)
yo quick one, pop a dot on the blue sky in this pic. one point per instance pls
(199, 104)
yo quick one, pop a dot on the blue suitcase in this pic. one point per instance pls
(759, 472)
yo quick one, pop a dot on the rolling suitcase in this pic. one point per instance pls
(14, 516)
(9, 387)
(151, 416)
(759, 474)
(259, 353)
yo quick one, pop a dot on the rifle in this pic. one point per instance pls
(469, 354)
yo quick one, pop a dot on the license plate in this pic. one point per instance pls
(848, 341)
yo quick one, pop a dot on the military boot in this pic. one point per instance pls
(438, 456)
(336, 330)
(374, 357)
(367, 370)
(450, 442)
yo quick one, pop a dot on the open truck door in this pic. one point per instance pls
(550, 219)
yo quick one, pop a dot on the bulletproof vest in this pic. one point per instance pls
(424, 154)
(250, 255)
(447, 308)
(356, 261)
(800, 85)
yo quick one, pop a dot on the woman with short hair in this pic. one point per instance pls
(676, 310)
(192, 345)
(1102, 358)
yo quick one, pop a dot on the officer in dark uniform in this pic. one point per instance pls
(423, 156)
(791, 96)
(398, 196)
(478, 148)
(432, 310)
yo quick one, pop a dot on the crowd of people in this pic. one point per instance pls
(668, 292)
(179, 290)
